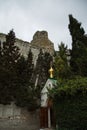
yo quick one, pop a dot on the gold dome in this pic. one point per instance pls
(51, 72)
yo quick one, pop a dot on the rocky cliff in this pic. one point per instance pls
(40, 41)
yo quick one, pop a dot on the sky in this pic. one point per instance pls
(28, 16)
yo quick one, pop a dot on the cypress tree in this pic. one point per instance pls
(42, 67)
(48, 61)
(78, 60)
(38, 72)
(30, 65)
(0, 54)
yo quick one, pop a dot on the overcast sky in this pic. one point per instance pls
(28, 16)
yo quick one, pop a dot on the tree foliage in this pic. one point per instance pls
(70, 95)
(69, 101)
(30, 65)
(10, 55)
(78, 60)
(26, 92)
(16, 75)
(42, 67)
(10, 51)
(61, 68)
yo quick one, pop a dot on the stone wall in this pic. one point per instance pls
(15, 118)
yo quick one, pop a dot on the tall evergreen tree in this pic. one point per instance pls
(79, 47)
(42, 67)
(48, 62)
(24, 69)
(10, 50)
(15, 76)
(26, 93)
(63, 51)
(21, 71)
(61, 68)
(30, 65)
(38, 72)
(10, 55)
(0, 54)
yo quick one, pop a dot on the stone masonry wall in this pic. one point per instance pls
(15, 118)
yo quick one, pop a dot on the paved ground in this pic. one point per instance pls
(47, 129)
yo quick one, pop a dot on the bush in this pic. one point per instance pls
(70, 104)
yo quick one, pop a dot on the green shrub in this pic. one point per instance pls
(70, 104)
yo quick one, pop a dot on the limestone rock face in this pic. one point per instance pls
(40, 35)
(40, 40)
(23, 45)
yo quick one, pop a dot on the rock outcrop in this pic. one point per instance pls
(40, 41)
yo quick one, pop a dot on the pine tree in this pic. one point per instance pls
(26, 95)
(30, 65)
(25, 68)
(0, 54)
(63, 51)
(10, 55)
(61, 67)
(10, 51)
(21, 71)
(38, 72)
(78, 60)
(16, 76)
(42, 67)
(48, 61)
